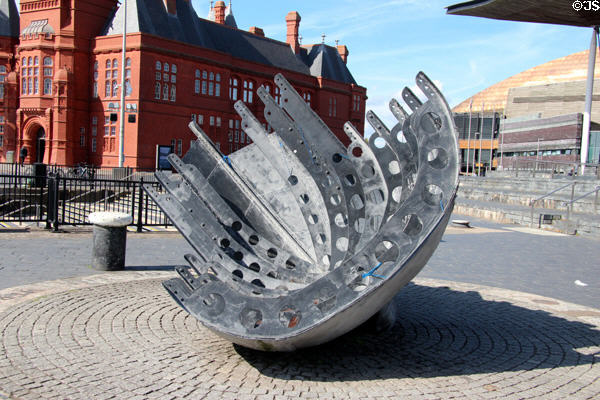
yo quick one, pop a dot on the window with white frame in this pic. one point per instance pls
(248, 91)
(128, 87)
(233, 88)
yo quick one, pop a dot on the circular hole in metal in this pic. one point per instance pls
(236, 226)
(337, 157)
(397, 194)
(313, 219)
(251, 318)
(350, 180)
(253, 240)
(335, 199)
(214, 303)
(293, 180)
(258, 282)
(289, 317)
(238, 274)
(356, 202)
(359, 283)
(272, 253)
(367, 171)
(431, 122)
(238, 256)
(394, 167)
(225, 243)
(357, 152)
(254, 267)
(305, 199)
(375, 222)
(400, 137)
(380, 143)
(359, 225)
(433, 195)
(413, 225)
(438, 158)
(376, 196)
(328, 181)
(289, 264)
(342, 244)
(321, 238)
(341, 220)
(386, 251)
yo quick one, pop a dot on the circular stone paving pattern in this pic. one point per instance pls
(129, 340)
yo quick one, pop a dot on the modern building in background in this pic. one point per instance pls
(60, 78)
(539, 116)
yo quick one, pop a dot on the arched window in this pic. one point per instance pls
(29, 61)
(107, 89)
(173, 93)
(47, 86)
(166, 67)
(115, 63)
(218, 85)
(128, 88)
(158, 66)
(166, 92)
(108, 64)
(173, 68)
(248, 92)
(128, 62)
(115, 89)
(36, 60)
(233, 88)
(157, 90)
(307, 97)
(204, 82)
(197, 82)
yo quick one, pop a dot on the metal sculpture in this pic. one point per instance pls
(299, 239)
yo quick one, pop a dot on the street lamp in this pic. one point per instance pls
(123, 88)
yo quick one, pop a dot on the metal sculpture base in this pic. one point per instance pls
(299, 239)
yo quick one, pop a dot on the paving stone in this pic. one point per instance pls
(452, 340)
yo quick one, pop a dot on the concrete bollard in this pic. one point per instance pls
(110, 238)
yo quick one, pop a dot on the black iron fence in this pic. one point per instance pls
(56, 199)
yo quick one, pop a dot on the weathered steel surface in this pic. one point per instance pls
(300, 239)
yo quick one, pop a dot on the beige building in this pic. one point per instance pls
(541, 114)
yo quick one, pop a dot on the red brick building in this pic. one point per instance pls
(60, 75)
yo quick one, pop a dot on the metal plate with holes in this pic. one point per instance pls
(301, 251)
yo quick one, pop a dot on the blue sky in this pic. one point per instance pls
(391, 40)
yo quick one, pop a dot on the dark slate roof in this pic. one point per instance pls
(229, 18)
(326, 61)
(9, 19)
(150, 16)
(559, 12)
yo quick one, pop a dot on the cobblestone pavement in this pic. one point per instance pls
(121, 336)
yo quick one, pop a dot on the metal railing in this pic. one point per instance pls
(533, 202)
(58, 200)
(569, 204)
(553, 168)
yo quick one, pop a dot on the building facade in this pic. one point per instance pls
(63, 68)
(540, 116)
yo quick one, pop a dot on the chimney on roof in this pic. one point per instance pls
(220, 12)
(257, 31)
(171, 6)
(293, 26)
(343, 50)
